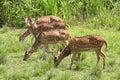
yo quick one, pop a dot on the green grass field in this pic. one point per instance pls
(12, 66)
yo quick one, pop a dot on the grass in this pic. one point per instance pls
(12, 66)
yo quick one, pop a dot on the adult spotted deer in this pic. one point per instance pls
(78, 44)
(47, 26)
(48, 37)
(42, 21)
(38, 28)
(41, 27)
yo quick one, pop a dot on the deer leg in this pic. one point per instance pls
(72, 59)
(46, 48)
(78, 57)
(24, 35)
(103, 57)
(31, 50)
(98, 57)
(54, 48)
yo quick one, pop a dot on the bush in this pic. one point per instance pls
(11, 11)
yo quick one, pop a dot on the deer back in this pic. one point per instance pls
(86, 43)
(53, 36)
(59, 25)
(47, 19)
(55, 19)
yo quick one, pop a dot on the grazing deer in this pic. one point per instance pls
(43, 21)
(48, 37)
(78, 44)
(51, 25)
(43, 26)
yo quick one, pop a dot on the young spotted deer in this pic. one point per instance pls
(48, 37)
(78, 44)
(47, 26)
(42, 24)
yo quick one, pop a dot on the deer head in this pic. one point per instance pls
(33, 22)
(25, 19)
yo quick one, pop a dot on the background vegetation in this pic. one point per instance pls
(103, 12)
(101, 17)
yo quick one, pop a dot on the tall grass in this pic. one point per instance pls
(12, 10)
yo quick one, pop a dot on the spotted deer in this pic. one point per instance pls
(47, 26)
(42, 21)
(78, 44)
(41, 27)
(48, 37)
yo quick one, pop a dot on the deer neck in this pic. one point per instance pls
(66, 52)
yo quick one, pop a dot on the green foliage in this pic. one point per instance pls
(116, 9)
(62, 76)
(11, 11)
(3, 58)
(104, 22)
(19, 76)
(94, 74)
(117, 76)
(4, 29)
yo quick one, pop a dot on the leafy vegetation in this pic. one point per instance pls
(71, 11)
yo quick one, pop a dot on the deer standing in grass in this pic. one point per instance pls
(38, 28)
(48, 37)
(39, 22)
(78, 44)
